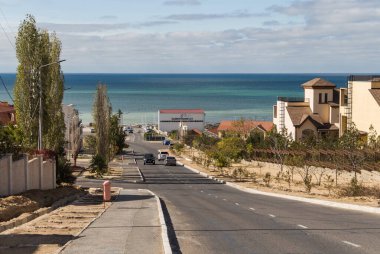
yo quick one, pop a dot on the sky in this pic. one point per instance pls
(203, 36)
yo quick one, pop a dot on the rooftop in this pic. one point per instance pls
(318, 83)
(244, 125)
(364, 78)
(181, 111)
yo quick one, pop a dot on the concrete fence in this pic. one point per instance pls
(21, 175)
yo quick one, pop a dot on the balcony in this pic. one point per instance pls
(291, 99)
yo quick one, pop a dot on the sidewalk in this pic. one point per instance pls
(130, 225)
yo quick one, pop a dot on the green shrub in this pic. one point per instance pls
(98, 165)
(267, 179)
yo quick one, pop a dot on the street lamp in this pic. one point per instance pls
(39, 145)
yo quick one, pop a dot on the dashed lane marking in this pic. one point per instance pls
(224, 199)
(251, 208)
(271, 215)
(352, 244)
(302, 226)
(237, 204)
(201, 190)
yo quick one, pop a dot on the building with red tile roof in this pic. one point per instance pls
(7, 113)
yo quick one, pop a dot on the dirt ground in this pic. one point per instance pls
(48, 233)
(297, 188)
(32, 200)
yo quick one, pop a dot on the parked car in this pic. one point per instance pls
(149, 159)
(170, 161)
(162, 155)
(130, 131)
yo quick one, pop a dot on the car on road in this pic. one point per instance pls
(170, 161)
(166, 142)
(149, 159)
(130, 131)
(162, 155)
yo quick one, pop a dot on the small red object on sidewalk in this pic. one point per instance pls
(107, 191)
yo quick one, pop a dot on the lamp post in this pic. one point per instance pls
(39, 145)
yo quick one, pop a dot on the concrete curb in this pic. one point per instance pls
(360, 208)
(18, 221)
(201, 173)
(164, 228)
(83, 229)
(366, 209)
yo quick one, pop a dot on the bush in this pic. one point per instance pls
(178, 147)
(64, 172)
(267, 179)
(98, 165)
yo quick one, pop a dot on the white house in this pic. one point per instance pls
(317, 113)
(171, 119)
(360, 103)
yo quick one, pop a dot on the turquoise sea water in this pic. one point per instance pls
(222, 96)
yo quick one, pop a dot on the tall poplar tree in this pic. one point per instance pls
(35, 48)
(102, 118)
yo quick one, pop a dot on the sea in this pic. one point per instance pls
(222, 96)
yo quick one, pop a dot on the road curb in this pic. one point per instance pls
(360, 208)
(201, 173)
(164, 228)
(366, 209)
(18, 221)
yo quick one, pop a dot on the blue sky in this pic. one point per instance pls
(203, 36)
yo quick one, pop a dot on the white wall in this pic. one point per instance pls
(22, 175)
(173, 121)
(322, 109)
(365, 110)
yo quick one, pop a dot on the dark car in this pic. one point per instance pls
(170, 161)
(130, 131)
(149, 159)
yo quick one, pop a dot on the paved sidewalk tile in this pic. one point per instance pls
(130, 225)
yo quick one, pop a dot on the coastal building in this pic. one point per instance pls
(243, 127)
(317, 113)
(360, 104)
(74, 128)
(176, 119)
(7, 113)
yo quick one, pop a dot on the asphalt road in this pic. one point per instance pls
(208, 217)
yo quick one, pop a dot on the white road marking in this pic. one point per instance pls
(271, 215)
(251, 208)
(209, 194)
(237, 204)
(352, 244)
(201, 190)
(302, 226)
(224, 199)
(216, 196)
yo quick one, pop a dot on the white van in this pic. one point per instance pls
(162, 155)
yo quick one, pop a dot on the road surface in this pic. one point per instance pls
(209, 217)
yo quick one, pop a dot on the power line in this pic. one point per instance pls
(5, 32)
(6, 89)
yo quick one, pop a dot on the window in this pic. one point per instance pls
(323, 98)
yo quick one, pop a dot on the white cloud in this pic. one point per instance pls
(182, 2)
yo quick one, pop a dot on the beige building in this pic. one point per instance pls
(360, 103)
(317, 113)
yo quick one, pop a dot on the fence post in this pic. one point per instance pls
(10, 176)
(40, 163)
(26, 171)
(54, 174)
